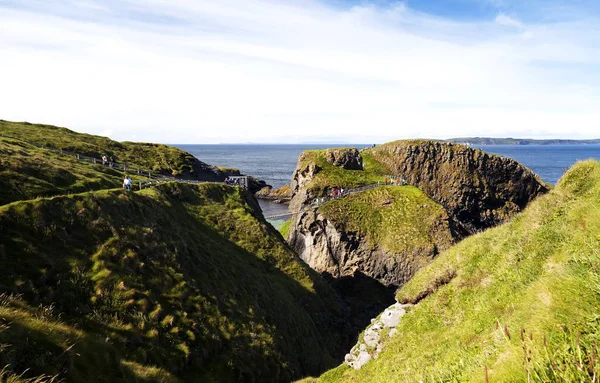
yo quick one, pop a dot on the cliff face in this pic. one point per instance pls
(339, 167)
(478, 189)
(388, 233)
(350, 236)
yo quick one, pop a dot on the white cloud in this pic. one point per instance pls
(505, 20)
(196, 71)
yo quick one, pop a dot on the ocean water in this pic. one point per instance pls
(275, 164)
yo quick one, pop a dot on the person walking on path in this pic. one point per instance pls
(127, 183)
(104, 160)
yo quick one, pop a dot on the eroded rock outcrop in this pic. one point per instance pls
(387, 233)
(372, 341)
(479, 189)
(475, 190)
(348, 158)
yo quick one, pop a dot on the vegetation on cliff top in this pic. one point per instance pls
(395, 219)
(156, 157)
(174, 282)
(515, 303)
(28, 172)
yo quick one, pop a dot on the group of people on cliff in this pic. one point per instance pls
(108, 161)
(337, 193)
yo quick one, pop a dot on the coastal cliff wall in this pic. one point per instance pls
(389, 233)
(479, 189)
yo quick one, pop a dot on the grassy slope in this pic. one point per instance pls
(523, 304)
(398, 219)
(285, 228)
(179, 277)
(28, 172)
(156, 157)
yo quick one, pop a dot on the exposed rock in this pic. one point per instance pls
(279, 195)
(479, 190)
(328, 248)
(349, 159)
(371, 344)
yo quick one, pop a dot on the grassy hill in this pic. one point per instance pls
(516, 303)
(172, 283)
(28, 172)
(159, 158)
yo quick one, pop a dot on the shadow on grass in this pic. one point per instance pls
(167, 285)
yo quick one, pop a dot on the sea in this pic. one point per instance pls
(275, 164)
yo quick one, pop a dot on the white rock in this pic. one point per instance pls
(372, 337)
(363, 358)
(393, 332)
(391, 316)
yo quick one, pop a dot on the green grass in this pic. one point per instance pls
(285, 228)
(28, 172)
(516, 303)
(159, 158)
(174, 282)
(395, 219)
(330, 176)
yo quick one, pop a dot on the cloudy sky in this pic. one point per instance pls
(210, 71)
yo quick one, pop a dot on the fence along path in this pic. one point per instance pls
(153, 178)
(320, 201)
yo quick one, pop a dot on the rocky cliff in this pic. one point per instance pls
(388, 233)
(478, 189)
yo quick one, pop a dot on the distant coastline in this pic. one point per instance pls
(519, 141)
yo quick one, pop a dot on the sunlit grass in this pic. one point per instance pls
(520, 303)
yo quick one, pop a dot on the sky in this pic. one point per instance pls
(275, 71)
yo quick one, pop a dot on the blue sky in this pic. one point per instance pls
(201, 71)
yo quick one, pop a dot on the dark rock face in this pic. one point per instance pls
(303, 175)
(329, 250)
(349, 159)
(478, 190)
